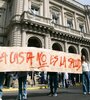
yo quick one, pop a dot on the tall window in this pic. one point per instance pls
(81, 24)
(35, 10)
(81, 28)
(55, 17)
(69, 23)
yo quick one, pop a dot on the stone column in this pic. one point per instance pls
(23, 38)
(87, 10)
(29, 5)
(62, 16)
(48, 41)
(79, 50)
(46, 8)
(88, 23)
(75, 21)
(15, 36)
(25, 5)
(66, 47)
(16, 7)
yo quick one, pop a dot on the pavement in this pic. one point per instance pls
(71, 93)
(36, 87)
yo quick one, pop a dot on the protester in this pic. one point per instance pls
(8, 79)
(85, 75)
(22, 82)
(32, 75)
(2, 76)
(53, 83)
(66, 77)
(89, 74)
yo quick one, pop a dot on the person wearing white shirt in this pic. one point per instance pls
(85, 75)
(66, 80)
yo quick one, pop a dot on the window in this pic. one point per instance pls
(1, 20)
(55, 14)
(81, 28)
(35, 10)
(55, 17)
(81, 24)
(69, 19)
(69, 23)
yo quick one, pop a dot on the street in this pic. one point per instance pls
(72, 93)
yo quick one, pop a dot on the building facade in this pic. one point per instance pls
(62, 25)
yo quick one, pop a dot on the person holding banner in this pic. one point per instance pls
(85, 75)
(22, 92)
(2, 76)
(53, 83)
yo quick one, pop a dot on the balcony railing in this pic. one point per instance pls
(66, 29)
(27, 16)
(71, 31)
(31, 17)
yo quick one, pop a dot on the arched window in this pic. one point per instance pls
(34, 42)
(57, 47)
(72, 49)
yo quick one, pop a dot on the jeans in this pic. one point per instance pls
(89, 81)
(86, 82)
(22, 87)
(53, 82)
(2, 76)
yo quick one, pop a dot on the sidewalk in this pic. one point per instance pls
(30, 85)
(28, 88)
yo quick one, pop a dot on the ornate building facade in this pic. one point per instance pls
(62, 25)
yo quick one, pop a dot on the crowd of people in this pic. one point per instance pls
(52, 79)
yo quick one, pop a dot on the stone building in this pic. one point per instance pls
(52, 24)
(62, 25)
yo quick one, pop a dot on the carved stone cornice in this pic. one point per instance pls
(44, 29)
(35, 28)
(70, 38)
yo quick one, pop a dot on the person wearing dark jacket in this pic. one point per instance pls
(53, 83)
(22, 86)
(2, 76)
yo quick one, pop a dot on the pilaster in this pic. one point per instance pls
(63, 16)
(25, 5)
(75, 21)
(66, 47)
(48, 41)
(46, 8)
(23, 38)
(79, 50)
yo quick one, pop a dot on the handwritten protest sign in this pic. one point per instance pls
(36, 59)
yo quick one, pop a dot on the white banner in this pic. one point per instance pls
(36, 59)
